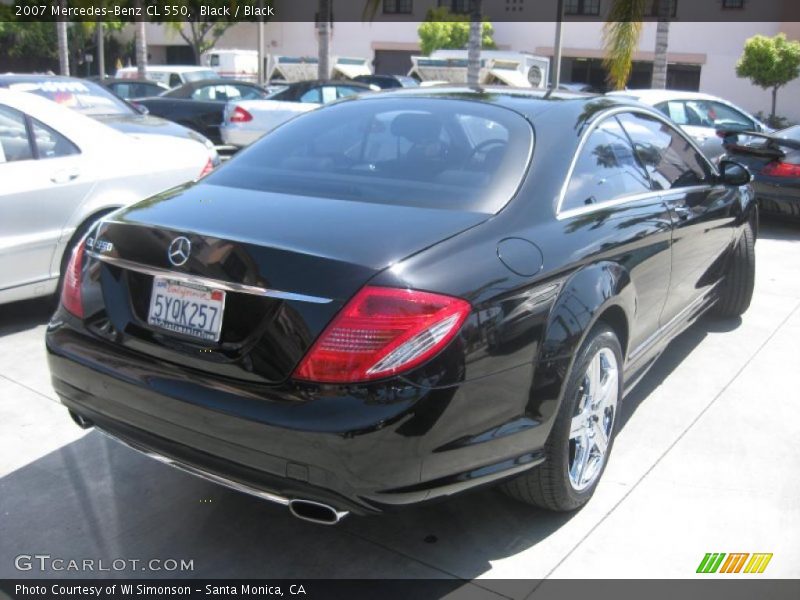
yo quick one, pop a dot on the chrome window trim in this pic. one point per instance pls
(206, 281)
(582, 210)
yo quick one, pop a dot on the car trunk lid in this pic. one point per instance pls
(286, 263)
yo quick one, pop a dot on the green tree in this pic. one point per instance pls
(770, 63)
(621, 35)
(200, 35)
(445, 30)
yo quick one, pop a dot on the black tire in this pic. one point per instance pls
(736, 290)
(548, 485)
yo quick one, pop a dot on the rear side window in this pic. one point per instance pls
(50, 143)
(413, 151)
(606, 169)
(670, 160)
(14, 142)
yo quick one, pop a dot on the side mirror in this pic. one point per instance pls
(734, 173)
(140, 108)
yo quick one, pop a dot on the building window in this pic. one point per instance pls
(673, 8)
(732, 3)
(514, 5)
(455, 6)
(582, 7)
(397, 7)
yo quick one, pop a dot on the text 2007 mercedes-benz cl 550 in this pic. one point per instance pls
(399, 297)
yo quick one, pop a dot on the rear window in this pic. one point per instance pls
(434, 153)
(83, 96)
(190, 76)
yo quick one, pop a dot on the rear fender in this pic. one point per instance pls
(584, 297)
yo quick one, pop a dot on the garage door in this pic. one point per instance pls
(393, 62)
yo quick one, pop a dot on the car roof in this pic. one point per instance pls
(129, 80)
(170, 68)
(313, 82)
(70, 123)
(651, 96)
(218, 81)
(526, 101)
(32, 77)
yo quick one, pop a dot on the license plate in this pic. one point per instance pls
(191, 310)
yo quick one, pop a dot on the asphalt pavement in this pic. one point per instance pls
(706, 461)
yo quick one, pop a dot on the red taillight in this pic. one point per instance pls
(781, 169)
(381, 332)
(207, 169)
(240, 115)
(71, 292)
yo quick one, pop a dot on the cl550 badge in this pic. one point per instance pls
(99, 245)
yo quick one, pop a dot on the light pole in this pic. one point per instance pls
(556, 75)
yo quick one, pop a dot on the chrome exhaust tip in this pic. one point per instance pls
(80, 420)
(316, 512)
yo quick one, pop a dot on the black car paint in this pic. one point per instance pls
(777, 196)
(131, 121)
(147, 87)
(203, 116)
(479, 411)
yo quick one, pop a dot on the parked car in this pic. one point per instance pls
(774, 160)
(386, 82)
(170, 75)
(92, 100)
(246, 121)
(200, 105)
(577, 87)
(132, 89)
(702, 116)
(310, 323)
(62, 171)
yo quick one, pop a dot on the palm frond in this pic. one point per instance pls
(370, 9)
(621, 39)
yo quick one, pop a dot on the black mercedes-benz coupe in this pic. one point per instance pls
(405, 295)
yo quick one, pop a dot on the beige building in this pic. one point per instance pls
(702, 55)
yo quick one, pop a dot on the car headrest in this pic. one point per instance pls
(417, 128)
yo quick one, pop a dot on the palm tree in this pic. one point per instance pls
(621, 38)
(141, 46)
(324, 39)
(63, 47)
(474, 43)
(663, 10)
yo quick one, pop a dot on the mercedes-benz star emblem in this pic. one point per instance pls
(179, 251)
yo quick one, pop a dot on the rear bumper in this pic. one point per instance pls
(362, 449)
(777, 200)
(239, 137)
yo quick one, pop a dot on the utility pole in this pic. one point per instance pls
(101, 49)
(555, 77)
(63, 47)
(261, 69)
(324, 39)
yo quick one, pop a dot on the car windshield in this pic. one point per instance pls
(432, 153)
(190, 76)
(83, 96)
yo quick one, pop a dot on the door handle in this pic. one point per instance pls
(64, 176)
(682, 212)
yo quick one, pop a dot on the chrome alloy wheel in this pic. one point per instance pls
(593, 421)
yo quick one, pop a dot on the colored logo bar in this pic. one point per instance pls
(714, 562)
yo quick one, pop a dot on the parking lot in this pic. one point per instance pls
(706, 461)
